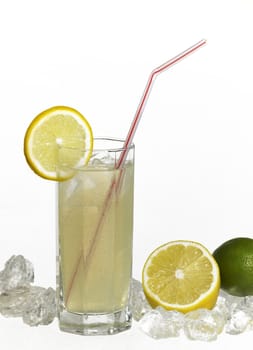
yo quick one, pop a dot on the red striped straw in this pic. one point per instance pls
(146, 93)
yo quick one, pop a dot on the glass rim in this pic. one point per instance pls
(100, 149)
(112, 149)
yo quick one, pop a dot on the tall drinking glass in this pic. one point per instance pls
(95, 227)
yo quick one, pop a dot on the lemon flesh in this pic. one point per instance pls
(181, 275)
(235, 260)
(57, 128)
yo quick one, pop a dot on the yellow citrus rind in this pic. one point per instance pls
(58, 128)
(181, 275)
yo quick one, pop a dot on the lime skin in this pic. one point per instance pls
(235, 260)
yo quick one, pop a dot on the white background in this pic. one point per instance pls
(194, 144)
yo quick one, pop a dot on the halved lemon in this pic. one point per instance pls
(182, 276)
(57, 129)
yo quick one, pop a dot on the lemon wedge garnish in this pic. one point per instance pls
(182, 276)
(58, 128)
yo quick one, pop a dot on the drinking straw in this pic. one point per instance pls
(146, 93)
(123, 155)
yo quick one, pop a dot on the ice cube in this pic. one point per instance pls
(102, 159)
(203, 324)
(138, 302)
(159, 323)
(232, 301)
(174, 320)
(239, 312)
(70, 188)
(238, 322)
(40, 307)
(18, 273)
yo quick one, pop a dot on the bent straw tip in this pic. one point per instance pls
(203, 41)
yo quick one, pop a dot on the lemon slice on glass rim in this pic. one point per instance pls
(182, 276)
(58, 128)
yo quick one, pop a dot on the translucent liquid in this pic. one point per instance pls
(95, 268)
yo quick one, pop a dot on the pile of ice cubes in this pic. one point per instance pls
(232, 315)
(18, 298)
(37, 306)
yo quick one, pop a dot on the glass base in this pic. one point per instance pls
(95, 324)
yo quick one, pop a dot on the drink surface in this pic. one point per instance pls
(95, 264)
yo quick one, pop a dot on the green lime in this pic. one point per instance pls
(235, 260)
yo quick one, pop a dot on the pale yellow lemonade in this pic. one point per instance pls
(95, 267)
